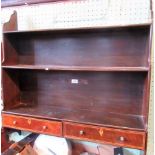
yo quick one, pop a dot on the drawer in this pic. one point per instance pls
(118, 137)
(32, 124)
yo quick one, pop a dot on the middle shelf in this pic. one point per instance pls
(75, 68)
(87, 97)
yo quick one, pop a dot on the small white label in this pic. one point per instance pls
(74, 81)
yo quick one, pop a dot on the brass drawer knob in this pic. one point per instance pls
(81, 132)
(14, 122)
(122, 139)
(44, 127)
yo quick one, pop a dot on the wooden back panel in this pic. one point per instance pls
(106, 91)
(119, 47)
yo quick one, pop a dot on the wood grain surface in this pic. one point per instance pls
(32, 124)
(127, 138)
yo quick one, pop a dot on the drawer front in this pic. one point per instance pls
(32, 124)
(132, 139)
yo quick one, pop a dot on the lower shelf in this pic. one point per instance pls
(81, 131)
(116, 120)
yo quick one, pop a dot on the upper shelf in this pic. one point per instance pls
(83, 28)
(101, 48)
(114, 49)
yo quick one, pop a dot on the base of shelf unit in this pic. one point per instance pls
(107, 119)
(74, 130)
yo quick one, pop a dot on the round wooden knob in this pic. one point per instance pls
(44, 127)
(122, 139)
(14, 122)
(81, 132)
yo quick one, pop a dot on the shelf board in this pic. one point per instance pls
(106, 119)
(75, 68)
(81, 28)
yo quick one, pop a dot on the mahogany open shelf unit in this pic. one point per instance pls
(93, 82)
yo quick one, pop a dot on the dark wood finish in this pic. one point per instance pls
(109, 92)
(82, 116)
(77, 68)
(127, 138)
(80, 49)
(11, 25)
(9, 3)
(32, 124)
(94, 79)
(145, 109)
(10, 84)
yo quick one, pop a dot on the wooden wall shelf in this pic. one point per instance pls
(91, 82)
